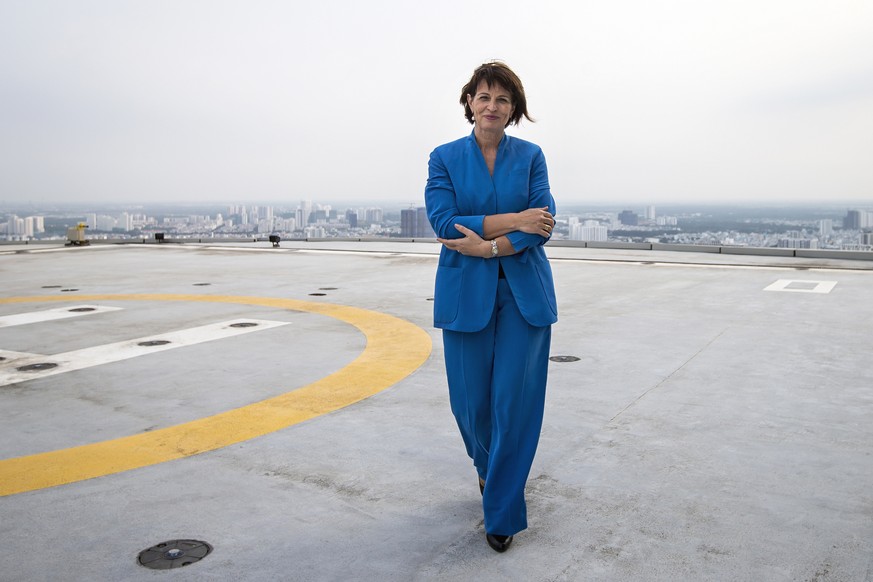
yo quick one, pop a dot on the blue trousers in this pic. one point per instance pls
(497, 389)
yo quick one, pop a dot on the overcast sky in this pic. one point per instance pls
(636, 101)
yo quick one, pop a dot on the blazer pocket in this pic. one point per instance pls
(447, 294)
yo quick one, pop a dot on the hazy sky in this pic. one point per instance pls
(274, 101)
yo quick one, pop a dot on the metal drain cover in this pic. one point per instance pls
(244, 324)
(318, 294)
(173, 554)
(37, 367)
(151, 343)
(564, 359)
(81, 309)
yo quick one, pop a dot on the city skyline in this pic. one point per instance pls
(806, 227)
(643, 102)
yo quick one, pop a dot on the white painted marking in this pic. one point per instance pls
(624, 262)
(115, 352)
(250, 250)
(702, 265)
(801, 286)
(69, 248)
(343, 252)
(11, 359)
(53, 314)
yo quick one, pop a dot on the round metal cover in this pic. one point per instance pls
(37, 367)
(564, 359)
(244, 324)
(81, 309)
(318, 294)
(52, 286)
(150, 343)
(202, 284)
(327, 288)
(174, 554)
(68, 290)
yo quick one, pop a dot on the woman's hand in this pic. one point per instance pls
(471, 245)
(536, 221)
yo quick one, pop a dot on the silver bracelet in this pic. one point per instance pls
(494, 250)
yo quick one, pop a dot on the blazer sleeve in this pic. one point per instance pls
(441, 202)
(540, 197)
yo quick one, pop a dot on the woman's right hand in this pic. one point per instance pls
(536, 221)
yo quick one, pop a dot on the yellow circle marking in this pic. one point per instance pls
(395, 348)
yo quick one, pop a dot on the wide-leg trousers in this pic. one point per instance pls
(497, 389)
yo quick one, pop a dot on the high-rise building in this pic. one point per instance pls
(852, 221)
(352, 218)
(590, 230)
(407, 222)
(374, 215)
(15, 225)
(314, 232)
(125, 221)
(858, 219)
(258, 214)
(423, 229)
(628, 218)
(414, 223)
(825, 227)
(650, 213)
(302, 213)
(106, 223)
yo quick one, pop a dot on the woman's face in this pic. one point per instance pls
(491, 106)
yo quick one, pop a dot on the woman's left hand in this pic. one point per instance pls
(471, 245)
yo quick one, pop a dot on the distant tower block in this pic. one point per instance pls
(650, 213)
(628, 217)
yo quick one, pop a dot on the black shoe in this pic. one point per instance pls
(498, 543)
(481, 486)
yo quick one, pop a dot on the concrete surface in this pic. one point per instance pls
(711, 430)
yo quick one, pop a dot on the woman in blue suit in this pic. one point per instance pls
(489, 203)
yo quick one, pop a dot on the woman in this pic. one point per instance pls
(489, 203)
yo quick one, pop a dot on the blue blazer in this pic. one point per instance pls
(460, 190)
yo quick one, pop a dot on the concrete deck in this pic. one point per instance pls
(718, 424)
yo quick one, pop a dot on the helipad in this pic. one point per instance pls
(394, 349)
(288, 408)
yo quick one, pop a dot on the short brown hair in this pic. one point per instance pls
(497, 73)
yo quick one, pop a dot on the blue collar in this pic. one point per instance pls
(503, 141)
